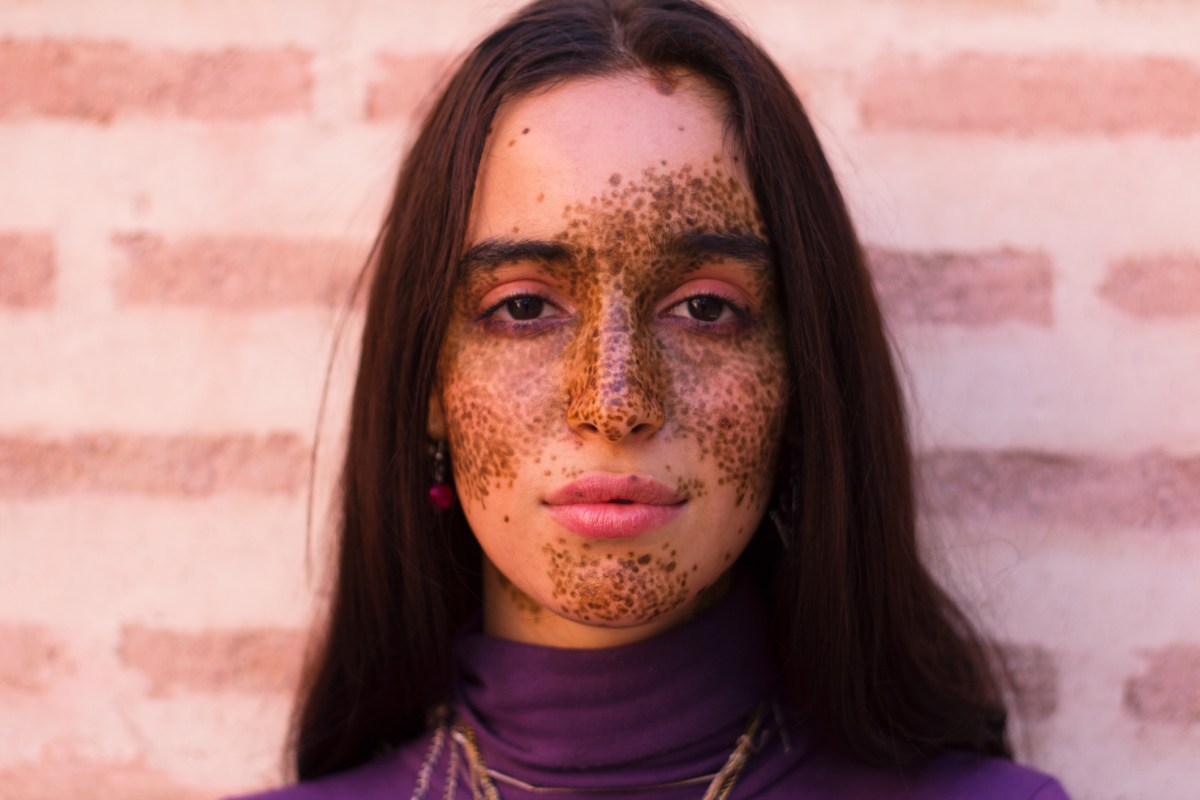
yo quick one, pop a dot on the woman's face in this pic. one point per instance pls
(613, 379)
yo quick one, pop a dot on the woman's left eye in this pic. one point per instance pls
(706, 308)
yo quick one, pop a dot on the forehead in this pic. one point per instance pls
(578, 140)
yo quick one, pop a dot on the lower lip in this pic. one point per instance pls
(613, 520)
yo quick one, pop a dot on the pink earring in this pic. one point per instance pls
(441, 494)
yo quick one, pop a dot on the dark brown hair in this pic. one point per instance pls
(870, 652)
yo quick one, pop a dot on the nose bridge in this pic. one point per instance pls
(617, 388)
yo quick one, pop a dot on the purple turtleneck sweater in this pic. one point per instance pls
(647, 714)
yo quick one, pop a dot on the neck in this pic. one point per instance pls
(660, 710)
(509, 613)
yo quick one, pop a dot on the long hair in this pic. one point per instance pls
(869, 652)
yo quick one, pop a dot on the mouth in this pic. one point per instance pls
(603, 506)
(600, 487)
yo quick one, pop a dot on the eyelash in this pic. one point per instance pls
(487, 318)
(741, 315)
(518, 327)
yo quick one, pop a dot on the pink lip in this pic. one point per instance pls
(613, 507)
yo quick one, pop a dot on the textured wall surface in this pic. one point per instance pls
(190, 187)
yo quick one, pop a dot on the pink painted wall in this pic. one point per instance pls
(189, 187)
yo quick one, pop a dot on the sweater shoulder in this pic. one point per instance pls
(949, 777)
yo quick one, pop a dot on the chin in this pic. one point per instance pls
(628, 585)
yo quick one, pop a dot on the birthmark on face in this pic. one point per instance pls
(626, 587)
(726, 392)
(616, 366)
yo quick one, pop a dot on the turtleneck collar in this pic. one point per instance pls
(665, 709)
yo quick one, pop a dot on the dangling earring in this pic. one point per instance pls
(441, 494)
(786, 511)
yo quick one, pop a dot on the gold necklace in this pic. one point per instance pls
(483, 786)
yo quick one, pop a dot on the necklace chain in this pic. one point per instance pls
(483, 779)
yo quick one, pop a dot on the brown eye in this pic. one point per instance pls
(709, 311)
(525, 307)
(705, 308)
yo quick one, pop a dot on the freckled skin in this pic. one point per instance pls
(617, 374)
(615, 588)
(621, 368)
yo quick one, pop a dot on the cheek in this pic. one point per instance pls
(500, 412)
(733, 404)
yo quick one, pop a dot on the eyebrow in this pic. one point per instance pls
(495, 252)
(690, 245)
(737, 245)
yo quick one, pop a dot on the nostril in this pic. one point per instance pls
(614, 408)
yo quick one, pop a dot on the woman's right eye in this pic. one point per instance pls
(521, 312)
(523, 307)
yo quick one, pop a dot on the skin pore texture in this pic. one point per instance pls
(615, 315)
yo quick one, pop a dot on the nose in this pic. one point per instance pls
(616, 380)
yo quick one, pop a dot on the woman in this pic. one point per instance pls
(618, 296)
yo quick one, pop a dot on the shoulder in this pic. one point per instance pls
(389, 776)
(949, 777)
(983, 778)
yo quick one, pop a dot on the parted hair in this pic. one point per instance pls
(875, 658)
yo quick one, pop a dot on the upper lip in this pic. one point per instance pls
(606, 488)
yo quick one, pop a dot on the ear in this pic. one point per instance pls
(435, 424)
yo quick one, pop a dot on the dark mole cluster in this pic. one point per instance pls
(630, 586)
(616, 367)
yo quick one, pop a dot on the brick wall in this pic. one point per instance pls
(189, 189)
